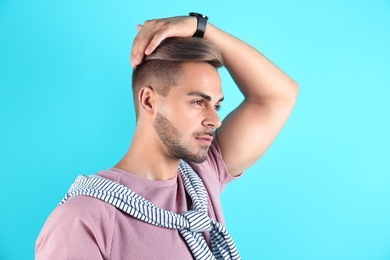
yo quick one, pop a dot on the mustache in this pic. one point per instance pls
(209, 132)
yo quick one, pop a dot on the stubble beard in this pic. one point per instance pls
(171, 136)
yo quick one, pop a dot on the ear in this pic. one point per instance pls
(146, 99)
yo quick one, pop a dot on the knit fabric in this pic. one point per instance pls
(191, 224)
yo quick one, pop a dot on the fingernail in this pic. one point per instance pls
(134, 61)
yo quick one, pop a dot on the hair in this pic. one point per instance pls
(161, 70)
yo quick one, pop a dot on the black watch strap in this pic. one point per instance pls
(202, 22)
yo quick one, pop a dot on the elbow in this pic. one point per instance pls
(295, 90)
(292, 93)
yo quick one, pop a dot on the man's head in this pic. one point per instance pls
(162, 69)
(177, 92)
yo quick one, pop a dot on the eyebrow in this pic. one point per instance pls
(203, 95)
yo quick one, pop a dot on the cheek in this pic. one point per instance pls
(185, 121)
(183, 114)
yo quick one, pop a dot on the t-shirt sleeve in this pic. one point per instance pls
(216, 155)
(215, 166)
(79, 229)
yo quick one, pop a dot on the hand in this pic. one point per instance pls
(153, 32)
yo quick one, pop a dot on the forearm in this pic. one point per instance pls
(258, 79)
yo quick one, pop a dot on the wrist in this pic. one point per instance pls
(201, 24)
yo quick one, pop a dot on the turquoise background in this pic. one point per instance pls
(322, 191)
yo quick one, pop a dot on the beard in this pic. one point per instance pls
(171, 136)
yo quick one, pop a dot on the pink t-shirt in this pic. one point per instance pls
(88, 228)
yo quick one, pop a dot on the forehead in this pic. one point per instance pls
(199, 77)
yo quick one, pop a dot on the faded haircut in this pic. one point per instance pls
(161, 70)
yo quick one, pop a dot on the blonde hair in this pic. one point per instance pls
(161, 69)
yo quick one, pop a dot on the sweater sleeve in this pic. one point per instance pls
(82, 228)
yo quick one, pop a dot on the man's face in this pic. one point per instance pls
(187, 116)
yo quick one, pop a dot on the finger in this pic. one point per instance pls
(153, 32)
(139, 45)
(157, 39)
(177, 27)
(141, 41)
(132, 53)
(137, 53)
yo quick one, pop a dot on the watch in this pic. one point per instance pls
(202, 22)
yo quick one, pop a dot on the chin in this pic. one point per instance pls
(199, 160)
(196, 158)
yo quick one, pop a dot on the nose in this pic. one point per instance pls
(212, 119)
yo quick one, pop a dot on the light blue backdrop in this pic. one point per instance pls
(322, 191)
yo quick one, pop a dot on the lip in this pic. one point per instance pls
(205, 139)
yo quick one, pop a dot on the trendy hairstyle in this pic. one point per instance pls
(161, 70)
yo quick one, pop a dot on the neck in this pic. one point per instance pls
(147, 157)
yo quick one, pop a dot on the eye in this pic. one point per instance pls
(198, 102)
(217, 107)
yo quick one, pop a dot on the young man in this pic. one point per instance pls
(152, 204)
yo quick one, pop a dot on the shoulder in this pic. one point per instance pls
(82, 224)
(88, 209)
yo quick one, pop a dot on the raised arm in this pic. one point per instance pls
(269, 94)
